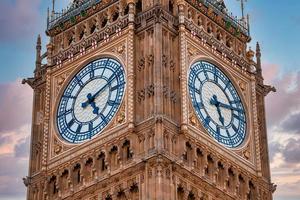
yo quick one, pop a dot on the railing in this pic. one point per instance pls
(73, 10)
(82, 5)
(242, 24)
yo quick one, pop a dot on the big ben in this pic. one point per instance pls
(156, 99)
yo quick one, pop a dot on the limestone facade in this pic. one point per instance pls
(155, 147)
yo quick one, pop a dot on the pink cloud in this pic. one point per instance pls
(270, 72)
(287, 98)
(18, 18)
(15, 119)
(16, 105)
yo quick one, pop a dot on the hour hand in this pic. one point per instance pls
(221, 118)
(214, 100)
(89, 101)
(96, 109)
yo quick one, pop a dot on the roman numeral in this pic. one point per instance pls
(80, 83)
(74, 139)
(103, 118)
(196, 90)
(238, 117)
(215, 77)
(229, 137)
(218, 133)
(227, 84)
(68, 97)
(78, 128)
(112, 103)
(207, 120)
(92, 73)
(65, 113)
(71, 123)
(205, 74)
(234, 128)
(90, 126)
(117, 86)
(199, 105)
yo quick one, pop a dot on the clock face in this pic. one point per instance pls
(90, 100)
(217, 104)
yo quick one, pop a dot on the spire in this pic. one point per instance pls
(38, 60)
(243, 8)
(53, 7)
(258, 60)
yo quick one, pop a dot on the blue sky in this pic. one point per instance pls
(275, 24)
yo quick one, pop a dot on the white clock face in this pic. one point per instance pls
(91, 100)
(217, 104)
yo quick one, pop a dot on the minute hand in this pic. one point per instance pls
(229, 107)
(105, 86)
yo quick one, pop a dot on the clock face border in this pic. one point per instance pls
(220, 67)
(78, 68)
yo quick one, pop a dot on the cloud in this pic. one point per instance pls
(16, 105)
(291, 152)
(22, 148)
(15, 119)
(286, 100)
(14, 157)
(274, 148)
(292, 123)
(18, 19)
(289, 191)
(283, 120)
(12, 170)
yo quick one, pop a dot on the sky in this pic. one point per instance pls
(275, 24)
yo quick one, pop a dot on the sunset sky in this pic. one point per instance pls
(275, 24)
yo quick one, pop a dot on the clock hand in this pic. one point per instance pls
(89, 101)
(229, 107)
(221, 118)
(91, 97)
(96, 109)
(214, 101)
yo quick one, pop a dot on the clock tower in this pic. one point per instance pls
(148, 100)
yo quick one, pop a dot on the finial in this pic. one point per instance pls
(243, 8)
(48, 17)
(248, 23)
(258, 60)
(38, 60)
(39, 41)
(53, 7)
(258, 54)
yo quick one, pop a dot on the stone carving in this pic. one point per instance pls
(172, 65)
(120, 49)
(164, 61)
(150, 90)
(59, 82)
(141, 95)
(268, 89)
(141, 64)
(150, 59)
(246, 153)
(57, 147)
(121, 116)
(169, 94)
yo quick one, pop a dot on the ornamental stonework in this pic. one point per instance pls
(158, 143)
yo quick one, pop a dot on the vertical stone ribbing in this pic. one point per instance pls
(183, 70)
